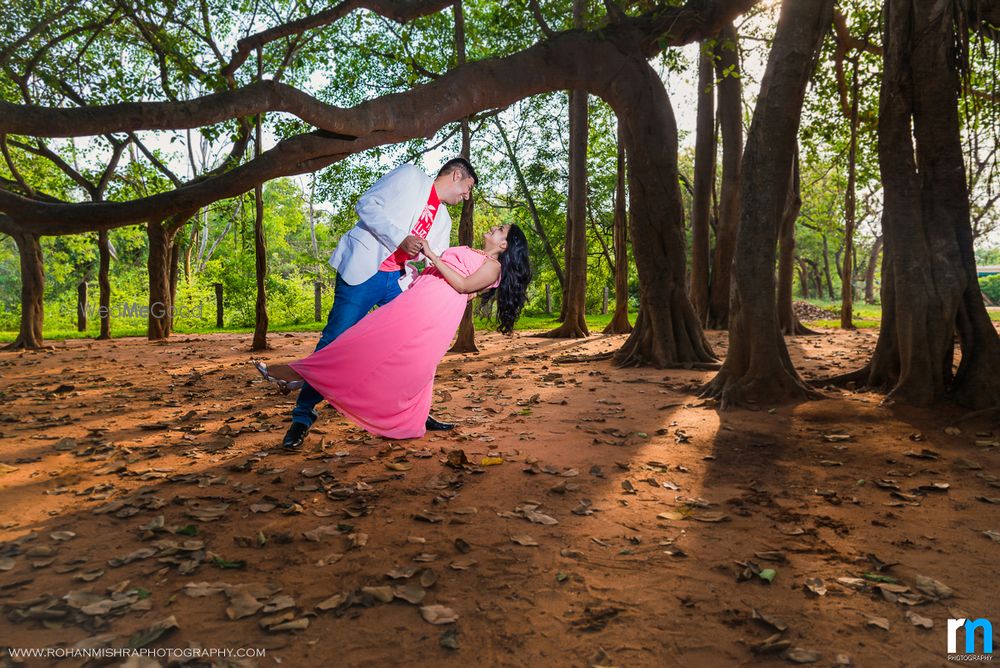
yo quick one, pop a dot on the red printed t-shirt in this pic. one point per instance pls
(421, 229)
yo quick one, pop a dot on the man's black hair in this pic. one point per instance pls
(462, 165)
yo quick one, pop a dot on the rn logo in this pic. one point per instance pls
(970, 626)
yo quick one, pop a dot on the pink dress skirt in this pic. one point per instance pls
(380, 372)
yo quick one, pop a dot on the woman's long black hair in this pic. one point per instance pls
(515, 274)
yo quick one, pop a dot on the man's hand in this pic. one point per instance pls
(425, 248)
(411, 245)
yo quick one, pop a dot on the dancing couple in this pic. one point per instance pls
(377, 369)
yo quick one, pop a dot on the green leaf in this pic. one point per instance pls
(225, 563)
(768, 574)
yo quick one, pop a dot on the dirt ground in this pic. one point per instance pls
(604, 517)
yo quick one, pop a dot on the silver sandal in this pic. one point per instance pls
(285, 386)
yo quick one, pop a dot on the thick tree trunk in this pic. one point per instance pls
(758, 367)
(104, 283)
(465, 341)
(870, 270)
(787, 320)
(619, 321)
(161, 239)
(29, 249)
(574, 306)
(667, 332)
(731, 128)
(929, 288)
(704, 169)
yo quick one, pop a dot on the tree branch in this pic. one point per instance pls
(536, 12)
(35, 31)
(399, 11)
(13, 168)
(581, 60)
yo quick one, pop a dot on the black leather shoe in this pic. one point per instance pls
(295, 436)
(434, 425)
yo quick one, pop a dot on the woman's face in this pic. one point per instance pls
(497, 236)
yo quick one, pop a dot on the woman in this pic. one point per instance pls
(380, 372)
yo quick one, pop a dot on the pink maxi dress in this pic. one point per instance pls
(380, 372)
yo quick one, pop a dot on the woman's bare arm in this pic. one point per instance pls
(483, 277)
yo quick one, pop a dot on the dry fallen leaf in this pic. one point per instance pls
(933, 588)
(815, 586)
(880, 622)
(242, 604)
(410, 593)
(293, 625)
(332, 602)
(382, 594)
(918, 620)
(438, 614)
(800, 655)
(463, 563)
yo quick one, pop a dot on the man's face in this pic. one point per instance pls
(459, 188)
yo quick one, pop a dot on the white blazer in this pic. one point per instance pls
(387, 213)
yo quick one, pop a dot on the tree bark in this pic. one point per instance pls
(161, 239)
(104, 283)
(175, 256)
(667, 331)
(803, 269)
(731, 128)
(260, 241)
(29, 249)
(704, 168)
(260, 267)
(787, 320)
(850, 205)
(574, 305)
(619, 321)
(758, 367)
(929, 287)
(870, 270)
(826, 267)
(465, 341)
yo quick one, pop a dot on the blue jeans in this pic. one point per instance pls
(350, 304)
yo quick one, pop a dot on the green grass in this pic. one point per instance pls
(527, 322)
(835, 324)
(866, 316)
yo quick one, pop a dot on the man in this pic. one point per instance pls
(403, 207)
